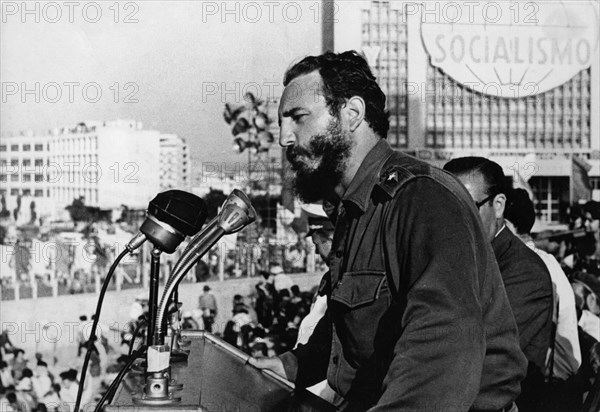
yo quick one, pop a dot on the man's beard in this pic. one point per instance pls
(319, 168)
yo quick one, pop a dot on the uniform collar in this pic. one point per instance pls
(367, 176)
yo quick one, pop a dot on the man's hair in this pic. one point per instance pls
(491, 171)
(520, 210)
(346, 75)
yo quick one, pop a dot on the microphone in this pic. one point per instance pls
(171, 216)
(236, 213)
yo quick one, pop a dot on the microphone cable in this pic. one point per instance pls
(137, 330)
(111, 390)
(92, 338)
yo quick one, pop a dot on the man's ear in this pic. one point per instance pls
(354, 110)
(499, 205)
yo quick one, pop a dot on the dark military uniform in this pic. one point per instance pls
(418, 318)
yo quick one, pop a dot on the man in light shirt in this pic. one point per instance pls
(564, 356)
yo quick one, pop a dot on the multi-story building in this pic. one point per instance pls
(438, 118)
(107, 163)
(174, 163)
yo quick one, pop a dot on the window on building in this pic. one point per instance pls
(39, 162)
(14, 162)
(14, 192)
(39, 177)
(26, 192)
(2, 192)
(39, 147)
(39, 193)
(26, 147)
(27, 178)
(14, 148)
(14, 178)
(2, 162)
(2, 178)
(26, 162)
(2, 148)
(552, 196)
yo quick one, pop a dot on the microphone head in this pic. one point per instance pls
(173, 215)
(233, 218)
(236, 213)
(240, 199)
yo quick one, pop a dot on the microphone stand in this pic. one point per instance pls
(153, 295)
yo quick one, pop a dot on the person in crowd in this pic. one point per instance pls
(525, 276)
(13, 402)
(265, 292)
(68, 386)
(201, 271)
(579, 253)
(24, 390)
(81, 335)
(587, 305)
(19, 363)
(188, 322)
(564, 357)
(259, 350)
(42, 383)
(208, 305)
(591, 224)
(409, 262)
(6, 346)
(281, 281)
(320, 229)
(26, 382)
(6, 376)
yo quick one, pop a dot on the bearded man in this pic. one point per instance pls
(417, 318)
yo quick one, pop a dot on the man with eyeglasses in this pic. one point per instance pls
(526, 278)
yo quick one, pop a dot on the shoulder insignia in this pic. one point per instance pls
(392, 179)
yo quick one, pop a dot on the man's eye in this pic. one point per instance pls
(297, 117)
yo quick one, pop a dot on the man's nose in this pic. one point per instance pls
(286, 136)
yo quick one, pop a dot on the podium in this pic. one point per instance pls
(216, 377)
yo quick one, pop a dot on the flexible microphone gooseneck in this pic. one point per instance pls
(236, 213)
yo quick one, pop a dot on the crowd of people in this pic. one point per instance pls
(268, 322)
(33, 384)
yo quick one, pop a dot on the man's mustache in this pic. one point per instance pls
(292, 153)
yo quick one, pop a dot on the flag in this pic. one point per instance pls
(580, 181)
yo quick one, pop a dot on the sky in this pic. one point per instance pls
(171, 65)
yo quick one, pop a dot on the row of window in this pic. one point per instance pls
(38, 147)
(24, 162)
(26, 178)
(25, 192)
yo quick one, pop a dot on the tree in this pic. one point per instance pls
(81, 213)
(214, 199)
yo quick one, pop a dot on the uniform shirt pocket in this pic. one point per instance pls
(359, 288)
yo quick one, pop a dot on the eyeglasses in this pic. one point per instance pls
(484, 201)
